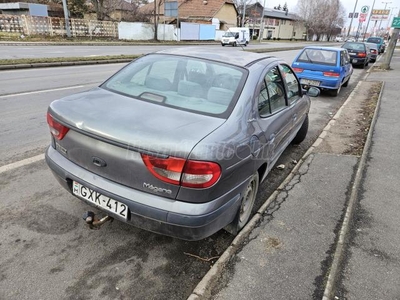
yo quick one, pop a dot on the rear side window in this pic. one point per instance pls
(180, 82)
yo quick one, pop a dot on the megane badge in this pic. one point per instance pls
(98, 162)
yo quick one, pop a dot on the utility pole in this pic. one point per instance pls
(261, 24)
(380, 23)
(66, 18)
(352, 16)
(369, 19)
(390, 49)
(244, 12)
(390, 16)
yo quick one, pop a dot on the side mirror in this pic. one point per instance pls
(313, 92)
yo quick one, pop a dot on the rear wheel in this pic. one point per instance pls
(234, 44)
(246, 206)
(302, 133)
(347, 82)
(336, 92)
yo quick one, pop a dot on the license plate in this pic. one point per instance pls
(100, 200)
(354, 60)
(310, 82)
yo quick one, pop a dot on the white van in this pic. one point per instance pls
(236, 36)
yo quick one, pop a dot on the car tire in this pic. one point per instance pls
(302, 133)
(346, 83)
(336, 92)
(234, 44)
(246, 205)
(223, 45)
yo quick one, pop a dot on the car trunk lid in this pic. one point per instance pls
(109, 132)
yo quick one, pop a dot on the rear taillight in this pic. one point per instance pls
(373, 51)
(362, 54)
(178, 171)
(297, 70)
(57, 130)
(331, 74)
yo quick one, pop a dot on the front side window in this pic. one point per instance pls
(181, 82)
(292, 84)
(272, 95)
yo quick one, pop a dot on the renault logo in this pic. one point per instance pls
(98, 162)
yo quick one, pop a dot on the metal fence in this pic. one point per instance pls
(31, 25)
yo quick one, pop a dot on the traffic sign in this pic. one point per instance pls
(364, 9)
(396, 22)
(362, 18)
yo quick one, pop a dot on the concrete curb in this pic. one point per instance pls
(208, 283)
(64, 63)
(337, 258)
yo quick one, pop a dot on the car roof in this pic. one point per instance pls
(234, 57)
(324, 48)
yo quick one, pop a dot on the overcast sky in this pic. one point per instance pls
(348, 5)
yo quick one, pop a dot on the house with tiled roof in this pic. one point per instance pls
(221, 13)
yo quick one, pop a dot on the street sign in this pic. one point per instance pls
(350, 15)
(396, 22)
(362, 18)
(364, 9)
(356, 15)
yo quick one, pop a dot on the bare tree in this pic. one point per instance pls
(240, 6)
(321, 17)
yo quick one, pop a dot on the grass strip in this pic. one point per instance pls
(64, 59)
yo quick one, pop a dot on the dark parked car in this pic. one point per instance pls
(374, 51)
(327, 68)
(379, 41)
(359, 52)
(177, 142)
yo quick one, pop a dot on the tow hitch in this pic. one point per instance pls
(93, 222)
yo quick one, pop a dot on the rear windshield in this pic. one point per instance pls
(374, 40)
(354, 46)
(325, 57)
(191, 84)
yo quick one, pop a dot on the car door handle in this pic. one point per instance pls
(295, 117)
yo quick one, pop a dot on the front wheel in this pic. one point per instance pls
(234, 44)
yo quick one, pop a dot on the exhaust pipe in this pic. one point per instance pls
(93, 222)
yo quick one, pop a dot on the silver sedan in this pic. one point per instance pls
(178, 141)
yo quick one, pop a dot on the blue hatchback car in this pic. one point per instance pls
(327, 68)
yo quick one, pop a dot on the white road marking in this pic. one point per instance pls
(43, 91)
(21, 163)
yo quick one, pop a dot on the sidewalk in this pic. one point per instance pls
(314, 248)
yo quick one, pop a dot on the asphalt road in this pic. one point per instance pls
(41, 51)
(46, 252)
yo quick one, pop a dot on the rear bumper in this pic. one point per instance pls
(188, 221)
(326, 82)
(358, 61)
